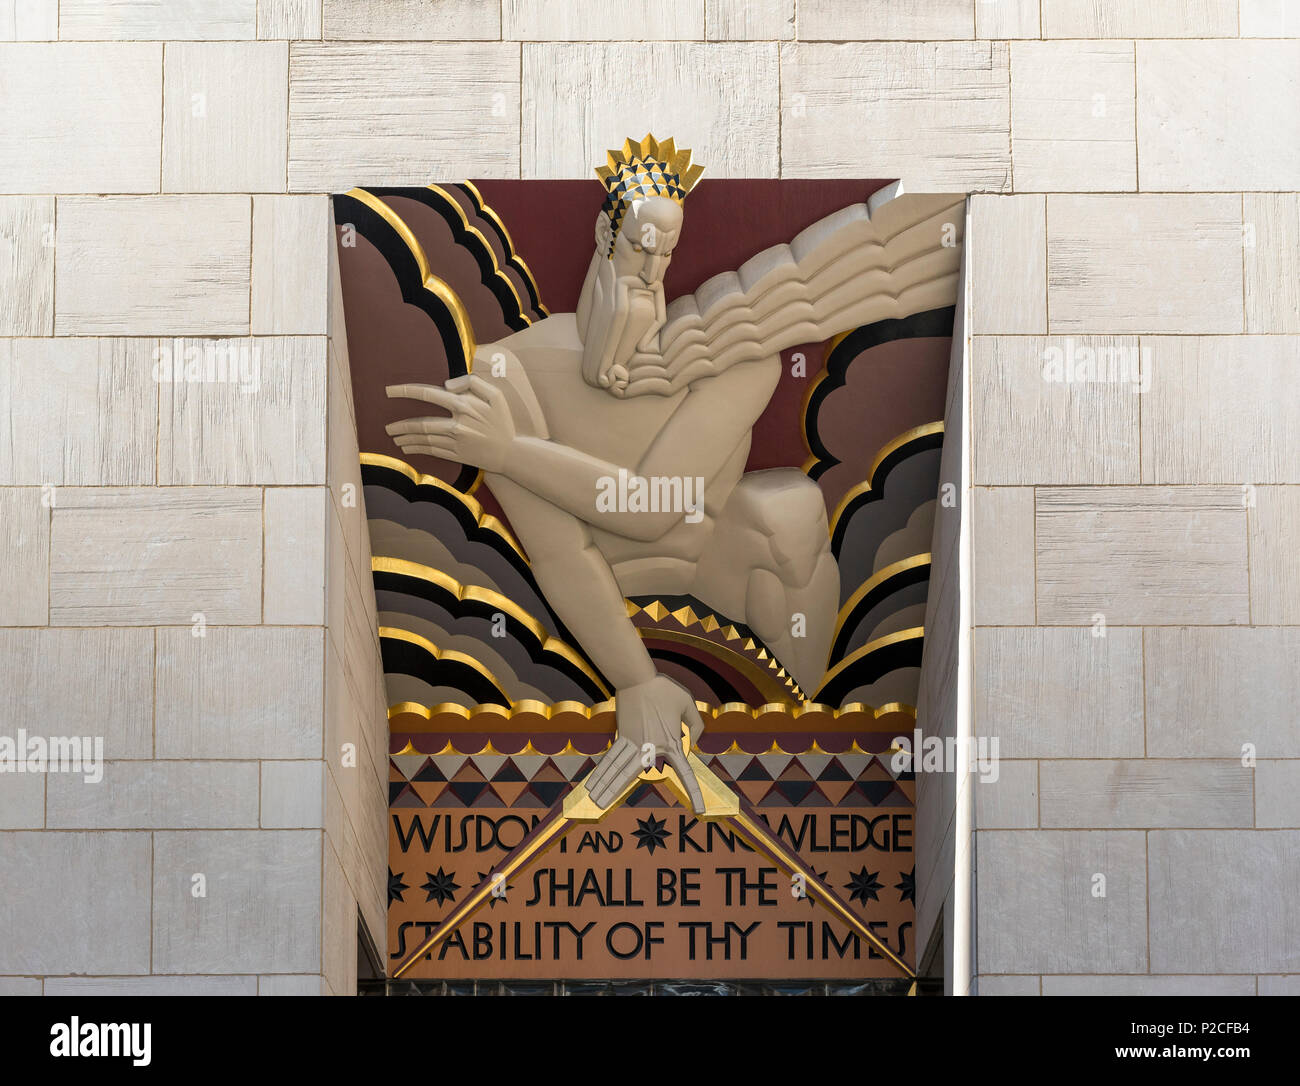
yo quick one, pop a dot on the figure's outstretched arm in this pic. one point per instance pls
(578, 583)
(487, 419)
(712, 419)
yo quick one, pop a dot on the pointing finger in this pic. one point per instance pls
(616, 758)
(429, 425)
(609, 791)
(442, 452)
(686, 775)
(483, 388)
(428, 393)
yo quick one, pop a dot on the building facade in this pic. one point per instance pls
(188, 563)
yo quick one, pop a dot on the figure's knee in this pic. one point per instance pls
(787, 509)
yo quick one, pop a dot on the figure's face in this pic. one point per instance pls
(646, 239)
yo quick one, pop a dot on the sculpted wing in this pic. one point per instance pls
(891, 257)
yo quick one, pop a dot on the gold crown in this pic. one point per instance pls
(648, 168)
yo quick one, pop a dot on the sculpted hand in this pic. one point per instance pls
(649, 714)
(478, 432)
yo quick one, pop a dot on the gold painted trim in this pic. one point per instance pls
(758, 835)
(766, 683)
(722, 805)
(577, 806)
(925, 430)
(518, 708)
(472, 229)
(837, 339)
(889, 448)
(489, 212)
(710, 622)
(431, 282)
(892, 707)
(484, 520)
(720, 802)
(569, 750)
(879, 577)
(477, 594)
(816, 748)
(393, 633)
(812, 460)
(549, 835)
(914, 634)
(470, 716)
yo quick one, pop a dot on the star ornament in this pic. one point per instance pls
(864, 886)
(907, 888)
(395, 886)
(721, 803)
(496, 895)
(651, 834)
(821, 877)
(440, 887)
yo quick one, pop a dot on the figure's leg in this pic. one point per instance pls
(769, 563)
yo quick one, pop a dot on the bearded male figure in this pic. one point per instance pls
(669, 394)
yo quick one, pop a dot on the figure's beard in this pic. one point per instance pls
(612, 374)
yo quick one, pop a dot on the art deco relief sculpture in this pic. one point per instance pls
(615, 438)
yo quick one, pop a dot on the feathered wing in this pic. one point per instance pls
(891, 257)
